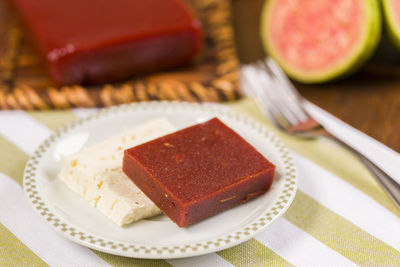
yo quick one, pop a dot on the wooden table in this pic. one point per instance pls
(369, 100)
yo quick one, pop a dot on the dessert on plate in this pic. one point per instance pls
(189, 175)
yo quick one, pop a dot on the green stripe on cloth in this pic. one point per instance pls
(14, 253)
(12, 160)
(53, 119)
(339, 234)
(120, 261)
(326, 154)
(252, 253)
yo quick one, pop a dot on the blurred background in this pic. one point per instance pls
(369, 100)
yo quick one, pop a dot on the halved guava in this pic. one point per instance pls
(320, 40)
(391, 10)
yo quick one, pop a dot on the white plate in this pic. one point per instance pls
(157, 237)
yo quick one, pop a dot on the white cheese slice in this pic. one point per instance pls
(96, 174)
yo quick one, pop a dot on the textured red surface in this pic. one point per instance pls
(199, 171)
(95, 41)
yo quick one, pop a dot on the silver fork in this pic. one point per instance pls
(280, 101)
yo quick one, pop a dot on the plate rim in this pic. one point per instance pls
(242, 234)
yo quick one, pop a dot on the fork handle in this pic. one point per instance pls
(391, 187)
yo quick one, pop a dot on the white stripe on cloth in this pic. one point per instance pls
(348, 202)
(22, 130)
(17, 215)
(200, 261)
(298, 247)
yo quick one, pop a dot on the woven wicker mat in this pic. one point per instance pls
(213, 77)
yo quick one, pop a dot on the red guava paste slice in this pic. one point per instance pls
(199, 171)
(314, 35)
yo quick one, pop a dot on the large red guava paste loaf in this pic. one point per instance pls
(199, 171)
(96, 41)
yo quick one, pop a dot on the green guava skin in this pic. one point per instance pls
(392, 28)
(348, 66)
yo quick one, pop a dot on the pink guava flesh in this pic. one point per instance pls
(315, 35)
(396, 10)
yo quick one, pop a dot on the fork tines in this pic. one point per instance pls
(276, 95)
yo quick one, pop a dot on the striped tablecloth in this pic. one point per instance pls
(340, 216)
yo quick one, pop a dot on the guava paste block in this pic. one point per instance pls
(199, 171)
(89, 42)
